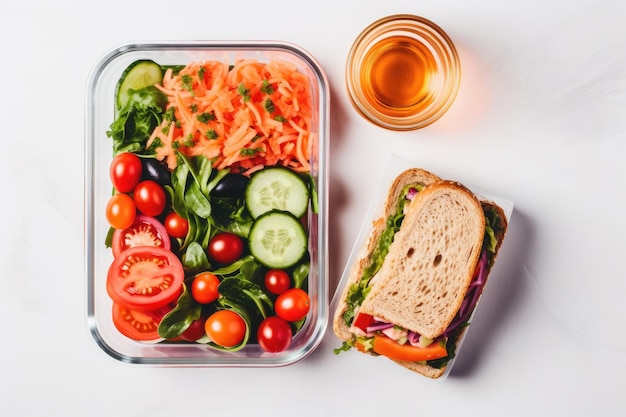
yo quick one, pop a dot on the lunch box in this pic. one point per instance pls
(99, 114)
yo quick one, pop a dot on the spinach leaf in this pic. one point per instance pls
(247, 294)
(300, 274)
(196, 201)
(175, 322)
(230, 214)
(313, 192)
(201, 170)
(179, 183)
(235, 267)
(137, 120)
(195, 258)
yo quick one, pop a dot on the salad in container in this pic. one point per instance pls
(206, 203)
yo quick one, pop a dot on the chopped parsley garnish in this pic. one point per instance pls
(280, 119)
(243, 92)
(193, 108)
(249, 151)
(205, 117)
(268, 105)
(267, 88)
(187, 82)
(189, 142)
(211, 134)
(169, 115)
(201, 71)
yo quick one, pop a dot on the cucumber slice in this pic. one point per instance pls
(138, 75)
(277, 239)
(276, 188)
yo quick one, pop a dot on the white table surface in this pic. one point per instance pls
(540, 119)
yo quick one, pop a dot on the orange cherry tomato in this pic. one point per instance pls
(225, 328)
(121, 211)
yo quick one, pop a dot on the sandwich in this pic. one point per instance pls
(416, 281)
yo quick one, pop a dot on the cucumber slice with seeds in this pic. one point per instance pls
(138, 75)
(277, 239)
(277, 188)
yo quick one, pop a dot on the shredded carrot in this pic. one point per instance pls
(247, 116)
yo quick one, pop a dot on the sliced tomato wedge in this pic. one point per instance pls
(138, 325)
(145, 278)
(407, 352)
(145, 231)
(363, 321)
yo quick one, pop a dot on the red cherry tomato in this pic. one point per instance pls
(225, 328)
(204, 288)
(150, 198)
(274, 334)
(125, 172)
(292, 305)
(225, 248)
(176, 225)
(145, 278)
(121, 211)
(145, 231)
(277, 281)
(195, 330)
(138, 325)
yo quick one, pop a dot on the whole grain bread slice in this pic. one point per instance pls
(408, 177)
(500, 230)
(431, 261)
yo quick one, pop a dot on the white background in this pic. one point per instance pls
(540, 119)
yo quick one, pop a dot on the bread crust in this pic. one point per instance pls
(431, 183)
(409, 176)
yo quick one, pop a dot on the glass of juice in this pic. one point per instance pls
(403, 72)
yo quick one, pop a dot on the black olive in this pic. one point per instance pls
(232, 185)
(156, 171)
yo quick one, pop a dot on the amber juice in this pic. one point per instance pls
(395, 76)
(402, 72)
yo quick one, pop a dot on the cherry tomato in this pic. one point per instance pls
(225, 248)
(292, 305)
(363, 321)
(204, 287)
(125, 172)
(150, 198)
(274, 334)
(225, 328)
(195, 330)
(121, 211)
(277, 281)
(145, 231)
(176, 225)
(145, 278)
(138, 325)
